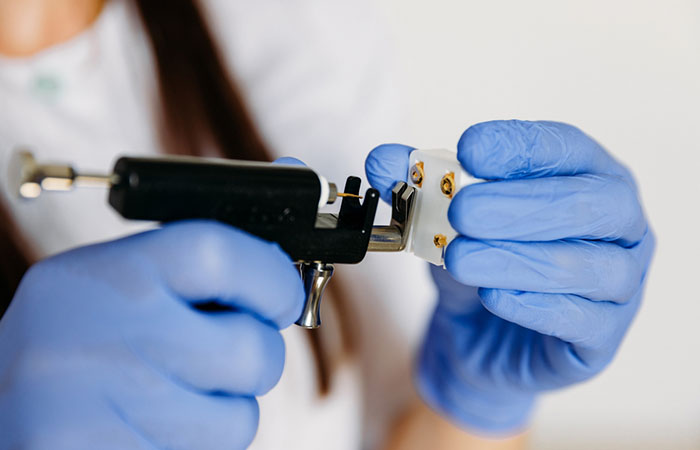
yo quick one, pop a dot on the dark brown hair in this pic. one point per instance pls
(15, 257)
(200, 103)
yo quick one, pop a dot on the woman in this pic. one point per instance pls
(117, 345)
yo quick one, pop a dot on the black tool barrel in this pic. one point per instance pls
(249, 195)
(278, 203)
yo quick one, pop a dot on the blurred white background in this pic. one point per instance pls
(628, 73)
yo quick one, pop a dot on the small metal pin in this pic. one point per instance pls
(343, 194)
(334, 194)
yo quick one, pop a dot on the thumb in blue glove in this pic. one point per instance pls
(544, 279)
(161, 339)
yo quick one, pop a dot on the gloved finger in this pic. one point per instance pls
(289, 160)
(574, 319)
(507, 149)
(643, 251)
(385, 165)
(205, 260)
(592, 269)
(582, 207)
(229, 352)
(169, 416)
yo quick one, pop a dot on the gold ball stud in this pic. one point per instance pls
(440, 240)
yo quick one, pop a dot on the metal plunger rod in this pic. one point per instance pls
(35, 178)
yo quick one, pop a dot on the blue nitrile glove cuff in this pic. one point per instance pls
(465, 405)
(451, 389)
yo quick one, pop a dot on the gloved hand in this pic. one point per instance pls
(544, 279)
(158, 340)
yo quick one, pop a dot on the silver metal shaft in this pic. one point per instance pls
(31, 179)
(385, 239)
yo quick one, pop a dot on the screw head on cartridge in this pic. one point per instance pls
(447, 184)
(440, 240)
(417, 174)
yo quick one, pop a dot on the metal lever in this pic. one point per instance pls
(391, 238)
(315, 276)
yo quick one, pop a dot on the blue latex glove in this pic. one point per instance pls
(545, 277)
(158, 340)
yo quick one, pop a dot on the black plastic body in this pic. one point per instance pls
(278, 203)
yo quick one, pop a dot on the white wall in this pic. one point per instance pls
(628, 73)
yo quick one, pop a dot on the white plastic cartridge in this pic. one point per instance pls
(437, 176)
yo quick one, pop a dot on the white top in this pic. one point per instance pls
(319, 85)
